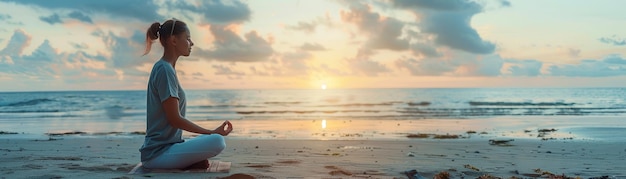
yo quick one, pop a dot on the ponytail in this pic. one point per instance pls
(151, 35)
(163, 32)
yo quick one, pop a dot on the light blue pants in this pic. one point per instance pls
(191, 151)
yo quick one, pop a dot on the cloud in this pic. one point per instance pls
(614, 59)
(289, 64)
(383, 32)
(524, 67)
(44, 52)
(422, 49)
(52, 19)
(459, 64)
(5, 17)
(216, 11)
(41, 64)
(311, 26)
(612, 65)
(424, 67)
(16, 45)
(56, 18)
(296, 61)
(227, 71)
(573, 52)
(308, 27)
(367, 67)
(228, 46)
(450, 22)
(125, 50)
(312, 47)
(48, 65)
(258, 72)
(488, 65)
(141, 10)
(613, 40)
(79, 46)
(80, 16)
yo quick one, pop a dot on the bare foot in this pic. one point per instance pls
(204, 164)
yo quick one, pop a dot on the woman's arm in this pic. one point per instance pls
(170, 106)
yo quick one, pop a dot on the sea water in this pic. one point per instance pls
(125, 111)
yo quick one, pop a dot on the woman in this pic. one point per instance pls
(164, 147)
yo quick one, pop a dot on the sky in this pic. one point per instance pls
(305, 44)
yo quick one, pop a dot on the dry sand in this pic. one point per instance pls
(114, 156)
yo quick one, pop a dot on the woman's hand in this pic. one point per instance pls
(224, 129)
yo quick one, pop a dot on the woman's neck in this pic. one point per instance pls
(170, 58)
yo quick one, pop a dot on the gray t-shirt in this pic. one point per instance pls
(160, 135)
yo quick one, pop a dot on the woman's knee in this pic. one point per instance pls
(215, 142)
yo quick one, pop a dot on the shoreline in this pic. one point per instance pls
(608, 128)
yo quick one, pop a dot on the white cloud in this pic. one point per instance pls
(228, 46)
(216, 11)
(613, 40)
(141, 10)
(16, 45)
(450, 21)
(612, 65)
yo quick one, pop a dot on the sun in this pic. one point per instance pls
(323, 86)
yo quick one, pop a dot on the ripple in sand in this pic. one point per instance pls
(258, 165)
(288, 162)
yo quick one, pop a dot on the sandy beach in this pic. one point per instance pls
(112, 156)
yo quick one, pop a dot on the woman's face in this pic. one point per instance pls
(183, 43)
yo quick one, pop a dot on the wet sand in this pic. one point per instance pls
(113, 157)
(585, 147)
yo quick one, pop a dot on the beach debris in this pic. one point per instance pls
(435, 155)
(239, 176)
(410, 154)
(288, 161)
(446, 136)
(468, 166)
(500, 142)
(351, 135)
(471, 132)
(603, 177)
(66, 133)
(138, 133)
(434, 136)
(548, 138)
(418, 135)
(547, 130)
(337, 171)
(413, 174)
(543, 172)
(7, 132)
(488, 176)
(423, 103)
(442, 175)
(534, 175)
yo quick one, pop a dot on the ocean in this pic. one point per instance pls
(125, 111)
